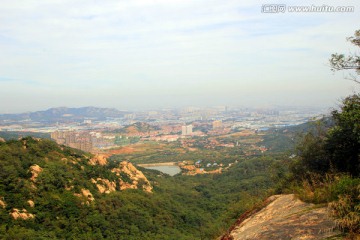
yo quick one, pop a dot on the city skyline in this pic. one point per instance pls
(159, 54)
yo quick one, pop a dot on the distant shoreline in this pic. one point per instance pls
(157, 164)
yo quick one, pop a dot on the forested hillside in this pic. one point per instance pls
(52, 192)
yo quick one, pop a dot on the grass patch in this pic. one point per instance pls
(341, 192)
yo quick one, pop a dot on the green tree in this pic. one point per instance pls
(338, 148)
(343, 141)
(313, 157)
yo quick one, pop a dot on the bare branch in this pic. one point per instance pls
(351, 62)
(352, 78)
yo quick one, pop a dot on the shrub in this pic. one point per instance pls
(346, 210)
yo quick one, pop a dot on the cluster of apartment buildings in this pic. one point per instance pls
(85, 141)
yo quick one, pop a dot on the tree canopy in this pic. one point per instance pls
(338, 148)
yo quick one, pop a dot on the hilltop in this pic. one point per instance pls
(137, 128)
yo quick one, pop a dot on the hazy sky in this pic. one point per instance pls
(161, 53)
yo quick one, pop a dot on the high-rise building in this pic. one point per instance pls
(189, 129)
(186, 130)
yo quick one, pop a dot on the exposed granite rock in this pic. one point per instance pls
(286, 217)
(35, 170)
(125, 185)
(68, 188)
(104, 185)
(21, 214)
(98, 159)
(136, 177)
(86, 195)
(2, 203)
(31, 203)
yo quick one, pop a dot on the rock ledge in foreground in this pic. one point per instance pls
(286, 217)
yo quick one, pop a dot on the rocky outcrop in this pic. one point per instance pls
(21, 214)
(86, 195)
(2, 203)
(98, 159)
(31, 203)
(136, 178)
(68, 188)
(285, 217)
(2, 140)
(24, 144)
(104, 185)
(35, 170)
(126, 185)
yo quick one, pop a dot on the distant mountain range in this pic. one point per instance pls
(64, 114)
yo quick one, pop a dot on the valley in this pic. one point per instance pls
(193, 188)
(179, 120)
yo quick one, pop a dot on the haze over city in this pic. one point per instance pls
(145, 54)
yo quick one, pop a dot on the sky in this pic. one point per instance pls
(148, 54)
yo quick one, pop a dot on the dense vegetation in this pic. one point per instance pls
(328, 167)
(287, 138)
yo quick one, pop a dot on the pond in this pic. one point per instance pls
(171, 170)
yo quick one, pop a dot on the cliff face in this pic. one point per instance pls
(285, 217)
